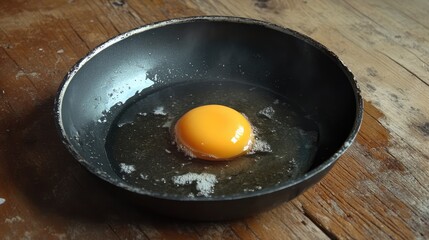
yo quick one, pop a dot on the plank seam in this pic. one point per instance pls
(402, 66)
(314, 220)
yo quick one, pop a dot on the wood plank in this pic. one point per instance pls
(378, 189)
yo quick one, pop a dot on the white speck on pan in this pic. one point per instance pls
(267, 112)
(159, 111)
(127, 168)
(260, 146)
(168, 123)
(2, 200)
(205, 182)
(143, 176)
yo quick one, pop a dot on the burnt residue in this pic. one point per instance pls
(394, 164)
(262, 3)
(372, 72)
(273, 6)
(374, 137)
(370, 87)
(424, 128)
(397, 100)
(118, 3)
(394, 97)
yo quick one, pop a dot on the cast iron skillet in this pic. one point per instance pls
(97, 88)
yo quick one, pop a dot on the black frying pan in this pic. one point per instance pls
(116, 75)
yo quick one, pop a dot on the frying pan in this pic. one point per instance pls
(154, 57)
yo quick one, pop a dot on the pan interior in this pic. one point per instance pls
(143, 154)
(105, 87)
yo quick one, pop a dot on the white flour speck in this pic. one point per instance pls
(260, 146)
(204, 182)
(143, 176)
(121, 124)
(267, 112)
(159, 111)
(161, 180)
(2, 200)
(168, 123)
(102, 120)
(191, 195)
(127, 168)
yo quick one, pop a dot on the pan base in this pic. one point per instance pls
(142, 151)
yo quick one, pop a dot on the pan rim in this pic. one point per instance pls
(328, 163)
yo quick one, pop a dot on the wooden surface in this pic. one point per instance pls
(378, 189)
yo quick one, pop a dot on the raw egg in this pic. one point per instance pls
(213, 132)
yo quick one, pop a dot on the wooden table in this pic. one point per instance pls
(378, 189)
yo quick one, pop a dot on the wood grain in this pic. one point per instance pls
(378, 189)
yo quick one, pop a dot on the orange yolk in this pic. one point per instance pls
(214, 132)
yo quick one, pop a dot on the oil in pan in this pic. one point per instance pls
(143, 153)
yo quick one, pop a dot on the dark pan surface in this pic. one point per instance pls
(147, 60)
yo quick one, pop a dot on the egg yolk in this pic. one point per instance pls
(214, 132)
